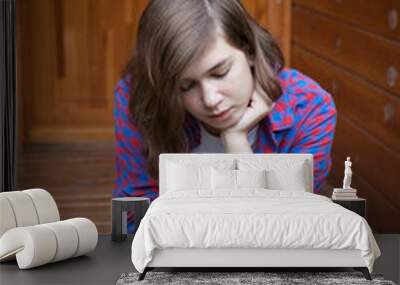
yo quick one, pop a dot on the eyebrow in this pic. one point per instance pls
(215, 66)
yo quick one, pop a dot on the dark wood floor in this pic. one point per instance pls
(79, 176)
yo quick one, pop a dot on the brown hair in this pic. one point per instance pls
(171, 34)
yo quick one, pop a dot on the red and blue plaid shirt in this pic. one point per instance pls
(302, 121)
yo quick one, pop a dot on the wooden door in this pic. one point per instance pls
(70, 55)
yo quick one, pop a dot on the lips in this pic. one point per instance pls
(220, 114)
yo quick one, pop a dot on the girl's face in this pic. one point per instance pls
(216, 88)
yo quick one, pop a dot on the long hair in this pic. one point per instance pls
(171, 34)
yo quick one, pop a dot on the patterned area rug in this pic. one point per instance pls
(231, 278)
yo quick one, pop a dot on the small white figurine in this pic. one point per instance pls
(347, 174)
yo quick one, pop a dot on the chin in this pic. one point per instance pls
(234, 119)
(224, 125)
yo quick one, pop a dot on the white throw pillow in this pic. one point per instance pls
(181, 177)
(223, 179)
(281, 174)
(235, 179)
(251, 178)
(194, 174)
(291, 179)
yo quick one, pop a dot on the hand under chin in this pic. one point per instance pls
(249, 116)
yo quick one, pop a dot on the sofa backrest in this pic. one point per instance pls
(280, 163)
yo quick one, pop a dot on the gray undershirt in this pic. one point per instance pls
(213, 144)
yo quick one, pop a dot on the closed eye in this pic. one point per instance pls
(193, 83)
(221, 75)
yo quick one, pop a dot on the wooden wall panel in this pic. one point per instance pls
(79, 176)
(97, 208)
(72, 53)
(276, 17)
(376, 164)
(371, 107)
(381, 213)
(380, 17)
(356, 57)
(377, 59)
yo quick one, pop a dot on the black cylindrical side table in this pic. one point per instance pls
(120, 208)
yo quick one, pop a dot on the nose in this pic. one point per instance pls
(211, 97)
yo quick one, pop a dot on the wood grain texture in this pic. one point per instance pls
(369, 106)
(77, 50)
(80, 177)
(275, 16)
(381, 214)
(379, 17)
(371, 161)
(352, 58)
(73, 52)
(372, 57)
